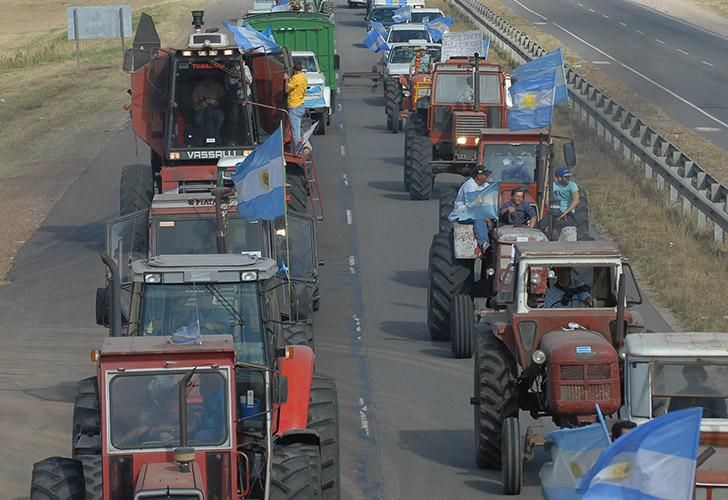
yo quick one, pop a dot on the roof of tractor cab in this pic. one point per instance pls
(204, 268)
(678, 344)
(466, 64)
(559, 249)
(167, 201)
(162, 345)
(503, 135)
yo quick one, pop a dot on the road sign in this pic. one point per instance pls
(96, 22)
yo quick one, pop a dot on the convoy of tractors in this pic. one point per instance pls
(207, 386)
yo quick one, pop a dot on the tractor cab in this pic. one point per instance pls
(665, 372)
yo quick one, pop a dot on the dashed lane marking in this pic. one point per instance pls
(623, 24)
(707, 64)
(708, 129)
(659, 41)
(605, 16)
(352, 264)
(640, 32)
(363, 416)
(349, 217)
(343, 151)
(682, 51)
(345, 179)
(600, 62)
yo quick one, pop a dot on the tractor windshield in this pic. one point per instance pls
(457, 88)
(219, 309)
(198, 235)
(407, 35)
(511, 162)
(208, 106)
(571, 286)
(144, 409)
(406, 53)
(676, 386)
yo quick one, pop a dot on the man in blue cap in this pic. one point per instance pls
(566, 193)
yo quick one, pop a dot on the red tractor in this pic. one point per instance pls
(195, 105)
(552, 349)
(443, 133)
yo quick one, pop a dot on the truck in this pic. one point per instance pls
(318, 93)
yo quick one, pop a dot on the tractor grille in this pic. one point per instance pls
(596, 392)
(599, 372)
(469, 124)
(572, 372)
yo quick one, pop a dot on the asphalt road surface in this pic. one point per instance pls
(675, 65)
(406, 425)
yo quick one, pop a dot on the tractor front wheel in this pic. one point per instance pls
(136, 189)
(323, 417)
(462, 319)
(296, 190)
(86, 413)
(511, 456)
(496, 397)
(446, 206)
(420, 170)
(57, 478)
(298, 333)
(291, 477)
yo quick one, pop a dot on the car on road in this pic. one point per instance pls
(407, 32)
(382, 15)
(356, 3)
(426, 15)
(318, 93)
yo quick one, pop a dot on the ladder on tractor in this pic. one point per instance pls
(312, 185)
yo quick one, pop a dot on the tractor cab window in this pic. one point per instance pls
(677, 386)
(406, 53)
(382, 15)
(295, 246)
(404, 36)
(208, 108)
(457, 88)
(511, 162)
(208, 309)
(574, 286)
(308, 62)
(144, 409)
(198, 235)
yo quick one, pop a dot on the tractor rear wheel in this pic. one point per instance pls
(57, 478)
(136, 189)
(323, 417)
(296, 190)
(447, 204)
(291, 477)
(511, 456)
(415, 125)
(86, 412)
(446, 277)
(462, 319)
(321, 127)
(496, 396)
(298, 333)
(92, 476)
(391, 86)
(420, 170)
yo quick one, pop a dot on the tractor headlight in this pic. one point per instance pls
(228, 52)
(536, 279)
(152, 278)
(538, 357)
(249, 275)
(187, 53)
(406, 93)
(174, 155)
(462, 140)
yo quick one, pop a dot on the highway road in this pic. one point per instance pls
(675, 65)
(406, 425)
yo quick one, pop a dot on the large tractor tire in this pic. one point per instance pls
(323, 417)
(313, 453)
(298, 333)
(420, 170)
(446, 277)
(511, 456)
(136, 189)
(57, 478)
(392, 90)
(496, 397)
(447, 204)
(291, 477)
(321, 127)
(86, 414)
(415, 125)
(462, 323)
(296, 190)
(92, 476)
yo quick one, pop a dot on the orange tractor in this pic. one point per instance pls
(199, 103)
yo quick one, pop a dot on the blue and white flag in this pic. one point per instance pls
(259, 181)
(403, 14)
(573, 453)
(438, 26)
(486, 48)
(375, 42)
(655, 460)
(553, 61)
(480, 204)
(248, 38)
(314, 97)
(533, 102)
(379, 27)
(268, 32)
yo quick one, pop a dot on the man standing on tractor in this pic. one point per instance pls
(477, 182)
(518, 211)
(567, 291)
(296, 85)
(207, 100)
(566, 193)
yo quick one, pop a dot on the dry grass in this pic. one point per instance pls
(718, 6)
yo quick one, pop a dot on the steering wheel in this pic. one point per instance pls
(558, 303)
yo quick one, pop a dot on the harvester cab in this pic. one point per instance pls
(664, 372)
(445, 129)
(197, 104)
(553, 350)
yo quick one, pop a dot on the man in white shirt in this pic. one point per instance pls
(477, 182)
(567, 292)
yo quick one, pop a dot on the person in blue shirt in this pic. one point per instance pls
(478, 181)
(567, 291)
(518, 211)
(566, 193)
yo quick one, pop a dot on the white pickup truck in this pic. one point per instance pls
(318, 94)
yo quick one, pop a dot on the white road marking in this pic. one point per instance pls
(592, 11)
(640, 32)
(532, 11)
(343, 151)
(352, 264)
(346, 179)
(349, 217)
(645, 77)
(623, 24)
(580, 4)
(605, 16)
(682, 51)
(659, 41)
(708, 129)
(707, 64)
(539, 23)
(601, 62)
(363, 416)
(338, 91)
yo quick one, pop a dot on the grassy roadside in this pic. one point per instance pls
(674, 259)
(54, 118)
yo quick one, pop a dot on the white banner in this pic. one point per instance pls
(461, 44)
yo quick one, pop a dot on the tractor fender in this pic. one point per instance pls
(299, 372)
(303, 436)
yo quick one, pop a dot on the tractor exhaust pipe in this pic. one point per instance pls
(476, 83)
(115, 294)
(198, 19)
(619, 327)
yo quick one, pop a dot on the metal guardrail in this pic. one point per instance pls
(688, 183)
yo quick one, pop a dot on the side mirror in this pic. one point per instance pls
(128, 65)
(632, 293)
(569, 154)
(103, 306)
(337, 61)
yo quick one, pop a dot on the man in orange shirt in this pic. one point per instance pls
(296, 86)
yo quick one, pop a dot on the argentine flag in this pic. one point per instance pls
(403, 14)
(655, 460)
(486, 48)
(553, 61)
(259, 180)
(380, 28)
(533, 102)
(438, 26)
(314, 97)
(573, 453)
(480, 204)
(248, 38)
(375, 42)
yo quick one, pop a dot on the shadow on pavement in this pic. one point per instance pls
(417, 279)
(411, 330)
(64, 392)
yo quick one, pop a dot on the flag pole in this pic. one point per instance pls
(601, 421)
(285, 212)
